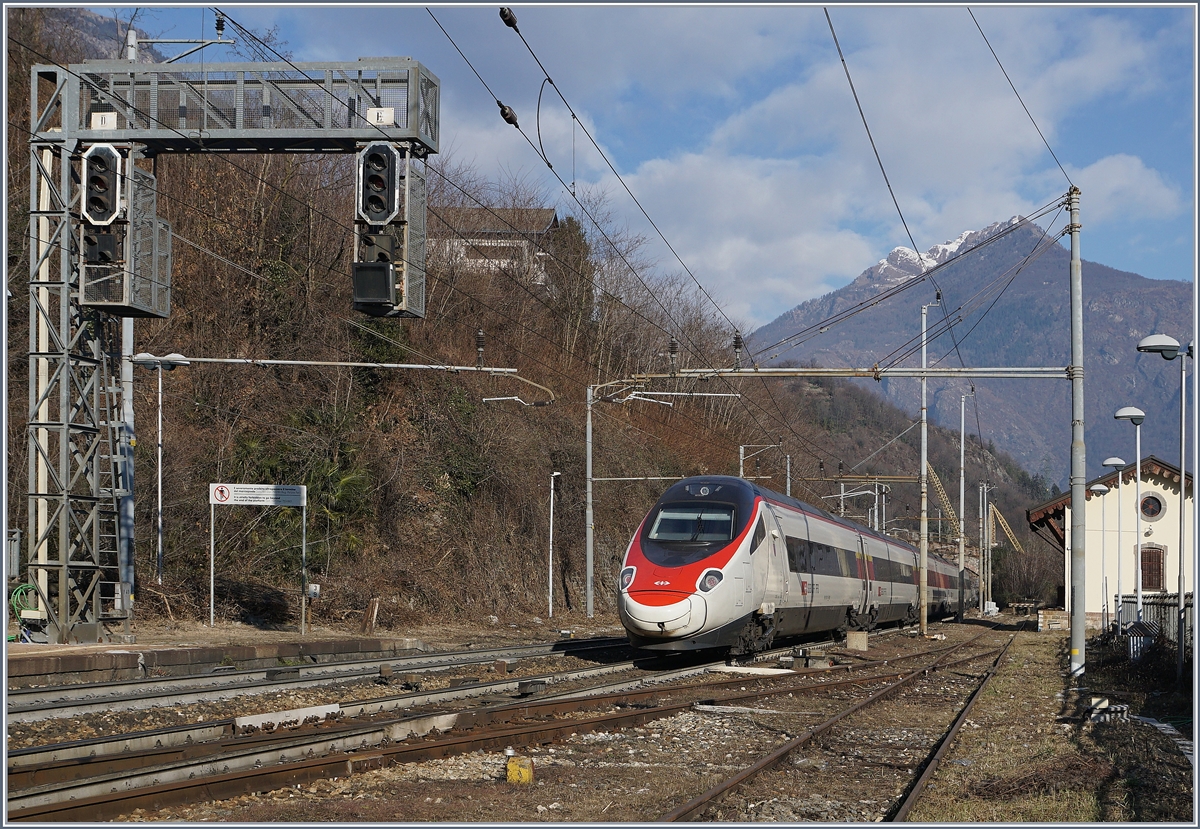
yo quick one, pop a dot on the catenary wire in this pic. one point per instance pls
(692, 346)
(1019, 99)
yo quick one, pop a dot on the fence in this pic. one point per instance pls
(1162, 611)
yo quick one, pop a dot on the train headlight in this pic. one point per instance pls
(709, 580)
(627, 577)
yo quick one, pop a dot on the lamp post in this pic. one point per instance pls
(1101, 489)
(962, 508)
(1118, 465)
(923, 564)
(160, 364)
(550, 589)
(1168, 348)
(1136, 416)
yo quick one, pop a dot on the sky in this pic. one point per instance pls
(736, 129)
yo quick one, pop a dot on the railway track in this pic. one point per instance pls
(859, 751)
(32, 704)
(217, 760)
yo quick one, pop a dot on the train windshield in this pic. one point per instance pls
(693, 523)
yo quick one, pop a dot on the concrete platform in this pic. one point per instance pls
(36, 664)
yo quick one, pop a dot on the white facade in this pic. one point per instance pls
(1112, 538)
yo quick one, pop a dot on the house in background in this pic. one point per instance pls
(1108, 547)
(503, 239)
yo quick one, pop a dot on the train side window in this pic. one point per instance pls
(825, 560)
(760, 533)
(849, 563)
(883, 569)
(797, 549)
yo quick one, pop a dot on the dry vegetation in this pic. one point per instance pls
(419, 493)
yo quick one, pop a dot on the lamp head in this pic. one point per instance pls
(174, 360)
(1161, 344)
(1131, 413)
(1099, 489)
(1114, 463)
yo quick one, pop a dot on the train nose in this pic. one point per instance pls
(653, 613)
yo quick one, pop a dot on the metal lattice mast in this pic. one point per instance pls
(73, 535)
(110, 114)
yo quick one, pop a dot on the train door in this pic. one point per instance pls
(769, 562)
(776, 587)
(865, 568)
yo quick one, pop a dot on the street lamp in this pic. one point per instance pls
(1101, 489)
(1118, 465)
(159, 364)
(550, 591)
(1169, 349)
(1136, 416)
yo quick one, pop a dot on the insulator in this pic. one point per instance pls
(220, 26)
(507, 113)
(821, 468)
(479, 348)
(738, 343)
(673, 354)
(839, 469)
(509, 18)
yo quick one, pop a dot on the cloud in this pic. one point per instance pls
(1123, 186)
(737, 130)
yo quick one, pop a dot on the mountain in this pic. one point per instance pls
(1023, 323)
(102, 37)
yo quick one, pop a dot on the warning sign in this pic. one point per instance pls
(257, 495)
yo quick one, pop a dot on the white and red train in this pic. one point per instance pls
(723, 563)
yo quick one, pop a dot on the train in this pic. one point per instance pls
(720, 562)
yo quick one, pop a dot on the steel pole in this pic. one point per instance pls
(1120, 603)
(127, 565)
(962, 509)
(158, 570)
(923, 579)
(589, 531)
(550, 566)
(1182, 503)
(1078, 454)
(981, 546)
(1104, 558)
(1137, 516)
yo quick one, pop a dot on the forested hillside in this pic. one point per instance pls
(421, 493)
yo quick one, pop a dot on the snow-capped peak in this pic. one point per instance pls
(903, 263)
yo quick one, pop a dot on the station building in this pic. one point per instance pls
(1111, 550)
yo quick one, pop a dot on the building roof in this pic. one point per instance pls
(495, 221)
(1048, 515)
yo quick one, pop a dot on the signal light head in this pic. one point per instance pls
(102, 185)
(380, 169)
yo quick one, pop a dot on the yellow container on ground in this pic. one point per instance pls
(520, 770)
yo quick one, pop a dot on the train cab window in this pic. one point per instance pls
(693, 522)
(760, 534)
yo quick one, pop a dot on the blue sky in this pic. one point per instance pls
(736, 128)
